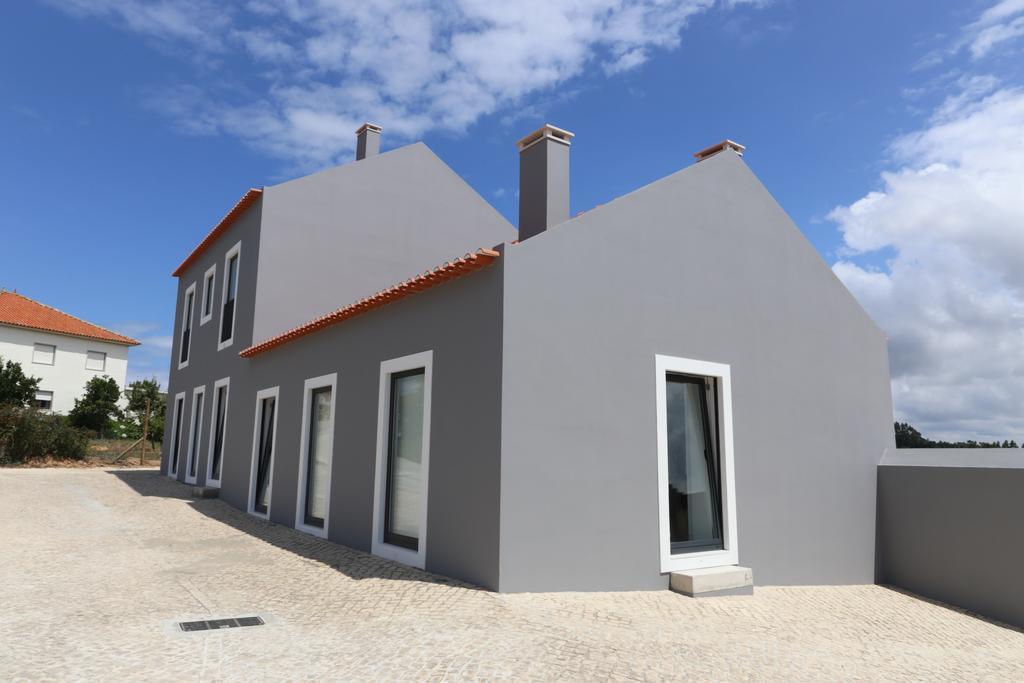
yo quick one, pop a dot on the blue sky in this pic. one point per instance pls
(130, 127)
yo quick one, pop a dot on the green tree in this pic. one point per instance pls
(16, 388)
(98, 406)
(137, 393)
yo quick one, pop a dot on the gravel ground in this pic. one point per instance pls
(97, 566)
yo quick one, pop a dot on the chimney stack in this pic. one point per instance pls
(367, 140)
(543, 180)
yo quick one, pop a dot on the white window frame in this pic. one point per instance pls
(53, 355)
(729, 554)
(186, 314)
(195, 424)
(102, 353)
(415, 558)
(173, 473)
(209, 283)
(224, 382)
(233, 251)
(258, 414)
(320, 382)
(44, 391)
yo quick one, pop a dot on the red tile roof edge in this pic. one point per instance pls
(449, 270)
(247, 200)
(106, 336)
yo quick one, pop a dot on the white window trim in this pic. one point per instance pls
(173, 473)
(53, 356)
(209, 278)
(331, 381)
(225, 382)
(195, 432)
(729, 555)
(233, 251)
(415, 558)
(103, 353)
(260, 395)
(184, 317)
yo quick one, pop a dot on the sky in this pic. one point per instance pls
(891, 132)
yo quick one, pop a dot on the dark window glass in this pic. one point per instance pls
(227, 321)
(197, 423)
(208, 295)
(265, 453)
(186, 328)
(694, 485)
(221, 399)
(405, 453)
(318, 456)
(179, 406)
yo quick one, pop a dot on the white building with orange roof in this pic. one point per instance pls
(65, 352)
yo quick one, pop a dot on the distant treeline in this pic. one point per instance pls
(908, 437)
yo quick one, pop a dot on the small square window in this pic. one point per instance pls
(44, 354)
(43, 400)
(95, 360)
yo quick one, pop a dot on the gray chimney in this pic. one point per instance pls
(367, 140)
(543, 180)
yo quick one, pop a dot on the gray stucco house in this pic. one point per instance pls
(671, 381)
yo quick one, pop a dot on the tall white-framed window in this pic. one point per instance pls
(44, 354)
(96, 360)
(232, 262)
(195, 434)
(316, 453)
(696, 476)
(403, 459)
(174, 453)
(264, 440)
(186, 326)
(206, 310)
(218, 431)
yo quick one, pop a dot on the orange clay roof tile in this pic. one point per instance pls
(447, 271)
(247, 200)
(19, 311)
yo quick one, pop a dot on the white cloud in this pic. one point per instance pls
(952, 297)
(410, 65)
(998, 24)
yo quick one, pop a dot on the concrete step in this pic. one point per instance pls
(713, 581)
(205, 491)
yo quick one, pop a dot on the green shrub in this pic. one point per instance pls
(26, 433)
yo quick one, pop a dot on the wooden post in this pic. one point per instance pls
(145, 435)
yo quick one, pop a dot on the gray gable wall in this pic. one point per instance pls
(336, 236)
(704, 265)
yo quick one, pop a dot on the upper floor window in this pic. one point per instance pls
(208, 282)
(95, 360)
(186, 326)
(44, 354)
(227, 314)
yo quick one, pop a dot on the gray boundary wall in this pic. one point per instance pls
(951, 527)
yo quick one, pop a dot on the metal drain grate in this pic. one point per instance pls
(214, 624)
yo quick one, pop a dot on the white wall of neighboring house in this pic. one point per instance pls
(67, 376)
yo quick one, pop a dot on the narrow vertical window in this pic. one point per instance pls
(207, 302)
(694, 485)
(220, 413)
(179, 405)
(227, 314)
(264, 454)
(195, 433)
(405, 451)
(186, 326)
(696, 478)
(318, 456)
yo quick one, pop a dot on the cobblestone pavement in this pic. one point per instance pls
(96, 567)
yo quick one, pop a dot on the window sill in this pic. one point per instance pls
(698, 560)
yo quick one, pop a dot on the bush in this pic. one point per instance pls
(26, 433)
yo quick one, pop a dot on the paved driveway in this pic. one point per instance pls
(96, 566)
